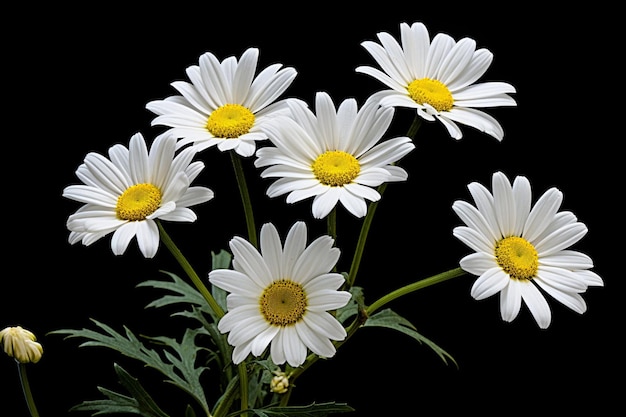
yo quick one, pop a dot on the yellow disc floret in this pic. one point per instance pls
(230, 121)
(138, 202)
(517, 257)
(433, 92)
(283, 303)
(336, 168)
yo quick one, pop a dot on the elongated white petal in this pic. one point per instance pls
(489, 283)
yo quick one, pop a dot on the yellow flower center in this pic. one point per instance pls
(230, 121)
(336, 168)
(517, 257)
(433, 92)
(138, 202)
(283, 303)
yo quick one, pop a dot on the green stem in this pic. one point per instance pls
(358, 253)
(364, 314)
(331, 223)
(223, 407)
(252, 238)
(243, 387)
(178, 255)
(28, 395)
(243, 376)
(245, 198)
(415, 126)
(418, 285)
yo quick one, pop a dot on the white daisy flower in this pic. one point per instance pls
(334, 156)
(128, 192)
(522, 250)
(437, 78)
(281, 295)
(225, 104)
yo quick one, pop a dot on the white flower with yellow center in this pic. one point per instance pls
(282, 295)
(521, 251)
(128, 192)
(21, 344)
(225, 104)
(334, 156)
(437, 78)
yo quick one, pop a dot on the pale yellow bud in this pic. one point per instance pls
(21, 344)
(279, 383)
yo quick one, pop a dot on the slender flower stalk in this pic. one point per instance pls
(365, 228)
(243, 387)
(184, 263)
(358, 253)
(245, 198)
(28, 395)
(418, 285)
(191, 273)
(362, 317)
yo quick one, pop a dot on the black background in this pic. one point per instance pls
(76, 80)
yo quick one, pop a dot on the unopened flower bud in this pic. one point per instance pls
(279, 383)
(21, 344)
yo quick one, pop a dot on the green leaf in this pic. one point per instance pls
(312, 410)
(187, 294)
(391, 320)
(353, 306)
(179, 369)
(140, 403)
(189, 412)
(220, 260)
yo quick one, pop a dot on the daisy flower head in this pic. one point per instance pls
(334, 156)
(438, 78)
(281, 296)
(21, 344)
(127, 192)
(225, 104)
(522, 251)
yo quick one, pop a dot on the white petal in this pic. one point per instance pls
(318, 344)
(250, 262)
(478, 263)
(560, 278)
(489, 283)
(324, 300)
(263, 339)
(537, 304)
(511, 299)
(122, 237)
(571, 300)
(325, 325)
(235, 282)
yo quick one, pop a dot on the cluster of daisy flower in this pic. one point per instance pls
(283, 293)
